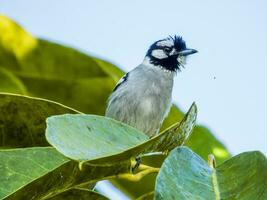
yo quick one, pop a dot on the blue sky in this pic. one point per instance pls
(227, 78)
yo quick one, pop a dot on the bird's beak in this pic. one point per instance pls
(187, 52)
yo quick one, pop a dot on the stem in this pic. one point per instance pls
(139, 175)
(144, 167)
(211, 161)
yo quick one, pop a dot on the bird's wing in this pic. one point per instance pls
(121, 81)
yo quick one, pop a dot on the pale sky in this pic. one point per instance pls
(227, 78)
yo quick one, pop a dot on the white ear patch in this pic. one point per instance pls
(164, 43)
(159, 53)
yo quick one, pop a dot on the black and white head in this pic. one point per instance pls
(169, 54)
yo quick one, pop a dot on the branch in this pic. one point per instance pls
(137, 177)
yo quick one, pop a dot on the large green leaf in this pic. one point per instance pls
(184, 175)
(21, 166)
(55, 72)
(80, 136)
(43, 173)
(22, 120)
(86, 95)
(42, 59)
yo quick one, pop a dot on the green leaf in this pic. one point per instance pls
(55, 72)
(19, 167)
(22, 120)
(184, 175)
(42, 59)
(10, 83)
(14, 41)
(42, 172)
(80, 136)
(112, 70)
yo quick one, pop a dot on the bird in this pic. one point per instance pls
(142, 98)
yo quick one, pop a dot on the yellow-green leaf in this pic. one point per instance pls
(22, 120)
(42, 173)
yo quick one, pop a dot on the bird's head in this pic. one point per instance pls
(169, 53)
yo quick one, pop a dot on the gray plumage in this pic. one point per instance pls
(143, 97)
(151, 90)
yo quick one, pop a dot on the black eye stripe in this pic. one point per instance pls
(164, 48)
(167, 49)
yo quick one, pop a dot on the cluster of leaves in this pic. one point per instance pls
(51, 149)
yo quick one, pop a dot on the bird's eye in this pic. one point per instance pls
(167, 49)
